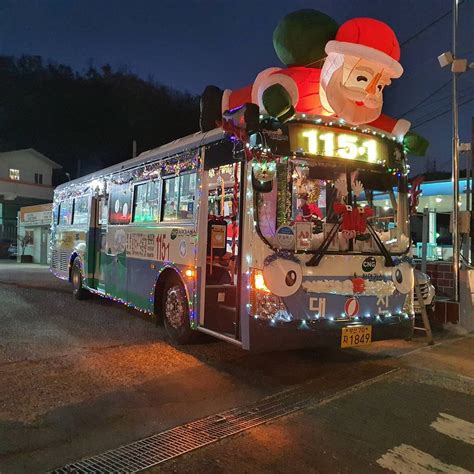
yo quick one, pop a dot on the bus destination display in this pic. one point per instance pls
(332, 142)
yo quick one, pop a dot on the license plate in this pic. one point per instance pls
(353, 336)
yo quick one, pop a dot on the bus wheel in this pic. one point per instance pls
(176, 313)
(78, 290)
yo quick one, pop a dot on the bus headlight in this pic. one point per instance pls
(264, 304)
(258, 282)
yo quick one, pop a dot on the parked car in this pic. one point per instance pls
(4, 246)
(13, 251)
(428, 293)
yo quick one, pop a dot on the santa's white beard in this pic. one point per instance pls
(340, 101)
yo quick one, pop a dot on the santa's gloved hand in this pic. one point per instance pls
(357, 188)
(277, 102)
(415, 144)
(341, 185)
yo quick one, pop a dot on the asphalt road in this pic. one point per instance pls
(79, 378)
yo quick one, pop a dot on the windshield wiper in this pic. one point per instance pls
(316, 258)
(381, 246)
(319, 254)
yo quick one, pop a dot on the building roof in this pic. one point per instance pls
(35, 153)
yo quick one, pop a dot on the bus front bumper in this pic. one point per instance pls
(266, 335)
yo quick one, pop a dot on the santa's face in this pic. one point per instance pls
(354, 91)
(301, 202)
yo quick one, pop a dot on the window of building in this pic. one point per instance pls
(14, 174)
(178, 197)
(147, 202)
(38, 178)
(65, 212)
(30, 237)
(81, 210)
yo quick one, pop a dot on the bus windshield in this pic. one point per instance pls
(310, 197)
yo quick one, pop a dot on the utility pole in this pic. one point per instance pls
(458, 66)
(471, 201)
(455, 162)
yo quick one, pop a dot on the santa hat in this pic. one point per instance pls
(370, 39)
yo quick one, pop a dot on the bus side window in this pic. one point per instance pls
(187, 193)
(103, 211)
(81, 210)
(120, 210)
(56, 214)
(65, 212)
(170, 199)
(178, 197)
(146, 204)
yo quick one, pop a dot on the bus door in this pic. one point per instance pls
(222, 274)
(99, 242)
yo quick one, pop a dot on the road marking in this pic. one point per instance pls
(406, 459)
(454, 427)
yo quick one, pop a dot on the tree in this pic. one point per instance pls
(25, 240)
(92, 116)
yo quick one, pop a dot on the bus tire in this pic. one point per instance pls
(175, 311)
(78, 290)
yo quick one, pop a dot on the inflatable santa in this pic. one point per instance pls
(336, 72)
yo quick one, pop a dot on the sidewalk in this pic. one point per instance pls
(448, 360)
(29, 276)
(12, 265)
(8, 263)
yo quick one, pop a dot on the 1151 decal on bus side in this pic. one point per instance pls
(162, 247)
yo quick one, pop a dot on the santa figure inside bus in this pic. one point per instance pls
(307, 202)
(337, 72)
(354, 217)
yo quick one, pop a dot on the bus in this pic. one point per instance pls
(294, 236)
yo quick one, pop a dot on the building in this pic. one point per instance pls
(437, 202)
(25, 179)
(35, 223)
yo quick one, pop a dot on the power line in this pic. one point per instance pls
(449, 94)
(440, 114)
(427, 114)
(437, 20)
(426, 98)
(433, 93)
(418, 33)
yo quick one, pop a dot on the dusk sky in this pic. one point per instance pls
(190, 44)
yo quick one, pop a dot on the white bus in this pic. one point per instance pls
(296, 237)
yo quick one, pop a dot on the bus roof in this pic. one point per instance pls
(194, 140)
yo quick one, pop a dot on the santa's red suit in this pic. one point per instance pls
(353, 220)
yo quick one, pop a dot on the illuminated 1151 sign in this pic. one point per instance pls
(327, 141)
